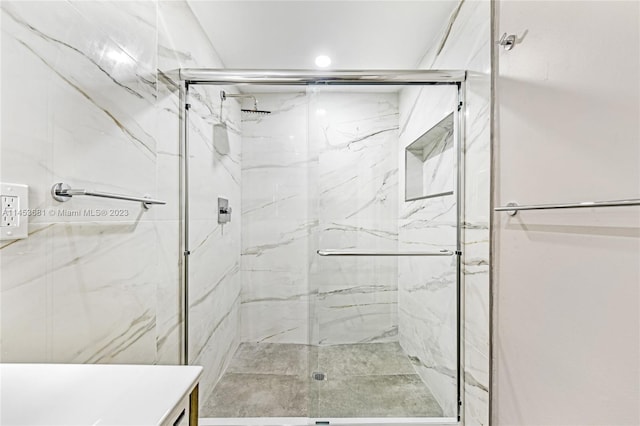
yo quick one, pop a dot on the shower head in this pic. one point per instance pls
(224, 95)
(255, 111)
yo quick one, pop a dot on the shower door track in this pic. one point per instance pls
(221, 76)
(338, 421)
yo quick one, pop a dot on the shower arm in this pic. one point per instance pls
(224, 95)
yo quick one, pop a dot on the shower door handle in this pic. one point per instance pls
(333, 252)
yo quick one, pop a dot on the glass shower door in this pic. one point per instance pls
(284, 331)
(265, 370)
(385, 326)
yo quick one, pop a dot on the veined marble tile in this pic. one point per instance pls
(362, 313)
(477, 150)
(130, 24)
(422, 107)
(278, 194)
(210, 305)
(427, 286)
(276, 321)
(168, 293)
(213, 167)
(477, 319)
(467, 46)
(360, 233)
(356, 138)
(275, 281)
(276, 221)
(214, 172)
(213, 253)
(285, 128)
(94, 95)
(338, 273)
(85, 59)
(276, 162)
(431, 166)
(117, 303)
(217, 351)
(181, 40)
(91, 56)
(25, 286)
(204, 115)
(275, 305)
(357, 296)
(274, 285)
(167, 188)
(292, 210)
(427, 328)
(169, 116)
(358, 194)
(269, 239)
(169, 158)
(215, 283)
(86, 119)
(356, 135)
(26, 150)
(87, 155)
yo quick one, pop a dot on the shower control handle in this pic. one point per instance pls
(224, 211)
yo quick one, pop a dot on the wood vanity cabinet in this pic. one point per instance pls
(186, 411)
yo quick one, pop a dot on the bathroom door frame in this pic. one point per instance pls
(216, 76)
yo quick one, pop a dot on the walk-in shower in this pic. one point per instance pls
(333, 293)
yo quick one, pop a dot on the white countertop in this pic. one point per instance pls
(90, 394)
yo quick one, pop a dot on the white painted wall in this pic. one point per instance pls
(566, 282)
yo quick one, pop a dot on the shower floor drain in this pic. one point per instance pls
(318, 376)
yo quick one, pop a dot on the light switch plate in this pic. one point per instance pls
(15, 209)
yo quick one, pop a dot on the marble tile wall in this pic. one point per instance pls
(92, 105)
(214, 171)
(81, 85)
(319, 172)
(465, 44)
(278, 221)
(355, 135)
(427, 285)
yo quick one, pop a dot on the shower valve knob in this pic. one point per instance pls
(224, 210)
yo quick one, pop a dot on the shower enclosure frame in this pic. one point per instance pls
(215, 76)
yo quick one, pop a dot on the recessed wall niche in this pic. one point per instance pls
(430, 162)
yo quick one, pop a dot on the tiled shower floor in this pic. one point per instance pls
(363, 380)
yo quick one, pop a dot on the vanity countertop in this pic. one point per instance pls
(91, 394)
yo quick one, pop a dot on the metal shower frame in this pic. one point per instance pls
(214, 76)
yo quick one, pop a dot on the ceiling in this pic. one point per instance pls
(355, 34)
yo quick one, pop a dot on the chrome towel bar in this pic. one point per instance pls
(330, 252)
(63, 192)
(513, 208)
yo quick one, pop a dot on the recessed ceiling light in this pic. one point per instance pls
(323, 61)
